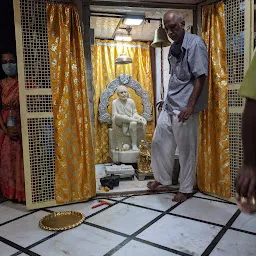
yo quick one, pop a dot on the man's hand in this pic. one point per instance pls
(185, 114)
(246, 182)
(246, 189)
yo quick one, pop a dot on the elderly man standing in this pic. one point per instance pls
(177, 125)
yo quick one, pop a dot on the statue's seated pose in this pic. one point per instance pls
(125, 119)
(128, 127)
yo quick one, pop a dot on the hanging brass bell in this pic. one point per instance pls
(160, 39)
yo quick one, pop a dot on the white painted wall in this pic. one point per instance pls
(166, 75)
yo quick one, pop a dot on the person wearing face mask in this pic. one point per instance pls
(177, 126)
(12, 182)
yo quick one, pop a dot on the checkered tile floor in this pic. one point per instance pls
(149, 225)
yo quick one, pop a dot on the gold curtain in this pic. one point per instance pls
(214, 160)
(104, 53)
(74, 152)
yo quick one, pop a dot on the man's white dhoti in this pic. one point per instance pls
(169, 135)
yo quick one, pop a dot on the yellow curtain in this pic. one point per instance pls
(214, 161)
(74, 152)
(104, 53)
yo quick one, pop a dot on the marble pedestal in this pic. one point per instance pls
(126, 157)
(118, 156)
(122, 170)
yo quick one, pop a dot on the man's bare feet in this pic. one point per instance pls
(152, 185)
(181, 197)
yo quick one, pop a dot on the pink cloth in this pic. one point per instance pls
(11, 162)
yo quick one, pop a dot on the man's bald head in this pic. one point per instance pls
(174, 24)
(170, 15)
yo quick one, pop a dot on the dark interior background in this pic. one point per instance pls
(7, 29)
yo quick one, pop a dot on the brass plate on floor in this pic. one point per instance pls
(59, 221)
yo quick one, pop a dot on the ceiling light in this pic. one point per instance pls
(125, 38)
(133, 21)
(123, 59)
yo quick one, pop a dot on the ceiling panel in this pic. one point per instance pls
(148, 12)
(105, 27)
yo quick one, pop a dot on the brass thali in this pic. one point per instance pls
(59, 221)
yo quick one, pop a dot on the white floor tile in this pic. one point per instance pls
(181, 234)
(124, 218)
(236, 244)
(136, 248)
(206, 210)
(25, 231)
(83, 240)
(159, 202)
(85, 208)
(199, 194)
(6, 249)
(246, 222)
(10, 210)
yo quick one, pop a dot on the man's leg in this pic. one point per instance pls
(162, 152)
(186, 136)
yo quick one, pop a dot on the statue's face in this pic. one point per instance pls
(123, 94)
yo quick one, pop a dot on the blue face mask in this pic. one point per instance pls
(10, 69)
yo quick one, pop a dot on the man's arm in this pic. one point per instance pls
(246, 181)
(249, 133)
(199, 84)
(198, 65)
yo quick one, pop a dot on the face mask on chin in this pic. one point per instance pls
(176, 50)
(10, 69)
